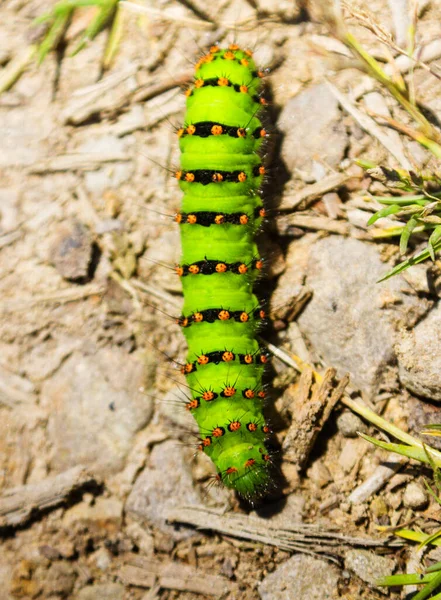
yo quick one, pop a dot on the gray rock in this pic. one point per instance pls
(103, 511)
(311, 122)
(349, 424)
(96, 408)
(415, 496)
(352, 321)
(71, 252)
(9, 211)
(319, 474)
(172, 406)
(369, 566)
(422, 413)
(164, 484)
(303, 578)
(60, 579)
(103, 591)
(419, 357)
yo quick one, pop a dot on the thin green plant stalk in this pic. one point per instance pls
(377, 72)
(103, 17)
(429, 588)
(114, 38)
(15, 69)
(393, 430)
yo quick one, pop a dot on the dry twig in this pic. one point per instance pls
(18, 504)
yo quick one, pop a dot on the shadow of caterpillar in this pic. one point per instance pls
(221, 174)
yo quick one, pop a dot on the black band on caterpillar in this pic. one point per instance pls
(210, 315)
(207, 218)
(225, 356)
(207, 176)
(211, 267)
(204, 129)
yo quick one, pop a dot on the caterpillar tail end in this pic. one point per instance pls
(251, 479)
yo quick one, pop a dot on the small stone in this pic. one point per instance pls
(9, 208)
(369, 566)
(359, 513)
(96, 408)
(60, 579)
(378, 507)
(142, 538)
(165, 484)
(303, 578)
(394, 499)
(351, 452)
(105, 511)
(72, 251)
(319, 474)
(228, 566)
(346, 322)
(313, 116)
(103, 591)
(349, 425)
(415, 496)
(419, 358)
(333, 204)
(102, 559)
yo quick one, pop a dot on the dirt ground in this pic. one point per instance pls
(101, 493)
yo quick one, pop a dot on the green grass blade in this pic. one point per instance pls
(103, 17)
(431, 492)
(431, 244)
(114, 39)
(429, 588)
(413, 260)
(431, 539)
(434, 568)
(415, 536)
(384, 212)
(433, 429)
(15, 68)
(410, 579)
(409, 451)
(407, 232)
(419, 199)
(54, 35)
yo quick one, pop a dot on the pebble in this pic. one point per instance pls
(415, 496)
(72, 251)
(60, 579)
(312, 126)
(301, 577)
(319, 474)
(347, 322)
(378, 507)
(349, 425)
(96, 408)
(102, 559)
(106, 511)
(164, 484)
(103, 591)
(419, 358)
(351, 452)
(368, 566)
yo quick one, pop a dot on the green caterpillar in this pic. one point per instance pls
(221, 173)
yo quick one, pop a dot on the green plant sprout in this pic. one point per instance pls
(107, 15)
(419, 212)
(415, 450)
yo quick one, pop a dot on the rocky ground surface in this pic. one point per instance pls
(101, 494)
